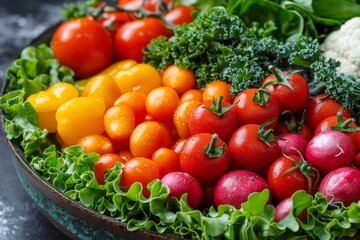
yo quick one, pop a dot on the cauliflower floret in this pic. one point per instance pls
(344, 46)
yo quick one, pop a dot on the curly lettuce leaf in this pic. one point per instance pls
(23, 123)
(36, 69)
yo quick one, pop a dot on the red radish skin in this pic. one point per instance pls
(341, 185)
(234, 187)
(180, 183)
(292, 144)
(284, 208)
(330, 150)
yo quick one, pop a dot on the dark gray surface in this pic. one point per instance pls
(20, 22)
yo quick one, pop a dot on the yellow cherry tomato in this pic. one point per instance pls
(161, 103)
(141, 77)
(104, 88)
(80, 117)
(136, 101)
(47, 102)
(119, 122)
(217, 88)
(149, 136)
(96, 143)
(181, 117)
(192, 94)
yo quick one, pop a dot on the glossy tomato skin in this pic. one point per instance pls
(249, 112)
(133, 36)
(283, 185)
(139, 169)
(179, 15)
(104, 163)
(96, 143)
(283, 93)
(321, 107)
(249, 152)
(204, 120)
(84, 46)
(328, 123)
(194, 161)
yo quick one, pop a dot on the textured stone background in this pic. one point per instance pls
(20, 22)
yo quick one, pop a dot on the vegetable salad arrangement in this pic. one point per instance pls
(198, 119)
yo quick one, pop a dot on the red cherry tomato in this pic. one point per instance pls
(142, 170)
(213, 116)
(250, 112)
(179, 15)
(288, 175)
(205, 157)
(133, 36)
(321, 107)
(84, 46)
(249, 151)
(297, 88)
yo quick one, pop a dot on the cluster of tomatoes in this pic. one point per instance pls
(89, 44)
(216, 148)
(206, 143)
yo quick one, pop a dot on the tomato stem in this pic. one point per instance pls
(280, 77)
(218, 108)
(261, 97)
(265, 134)
(292, 125)
(344, 125)
(305, 168)
(213, 151)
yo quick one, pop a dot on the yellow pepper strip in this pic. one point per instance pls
(80, 117)
(47, 102)
(141, 77)
(113, 69)
(102, 87)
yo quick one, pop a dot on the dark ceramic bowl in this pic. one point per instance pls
(72, 218)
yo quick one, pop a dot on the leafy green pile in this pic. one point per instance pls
(292, 18)
(36, 69)
(218, 45)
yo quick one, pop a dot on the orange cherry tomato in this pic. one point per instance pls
(80, 117)
(162, 102)
(136, 101)
(104, 88)
(192, 94)
(104, 163)
(180, 79)
(119, 122)
(181, 117)
(125, 154)
(139, 169)
(167, 160)
(149, 136)
(217, 88)
(96, 143)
